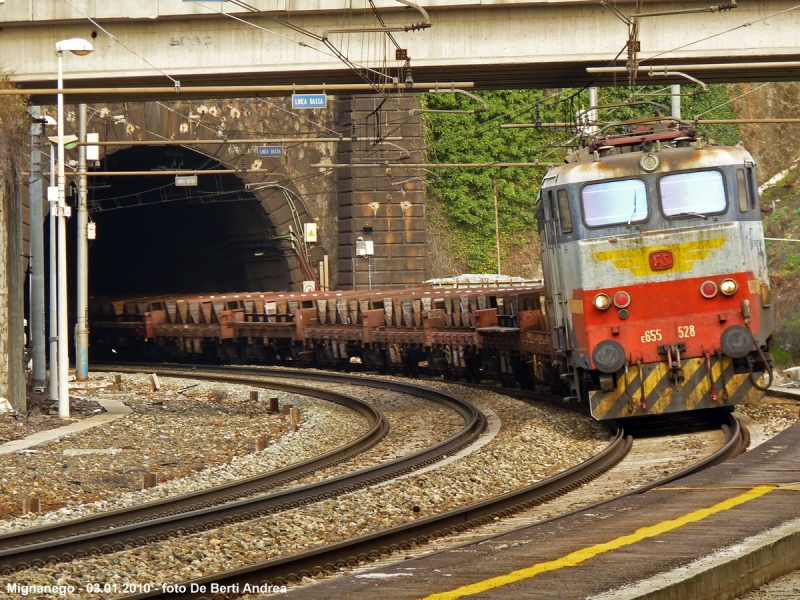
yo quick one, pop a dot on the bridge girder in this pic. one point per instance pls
(502, 44)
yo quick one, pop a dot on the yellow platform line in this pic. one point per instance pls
(579, 556)
(780, 486)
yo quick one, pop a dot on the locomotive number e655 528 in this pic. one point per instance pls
(652, 335)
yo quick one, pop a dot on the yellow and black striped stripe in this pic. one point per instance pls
(661, 395)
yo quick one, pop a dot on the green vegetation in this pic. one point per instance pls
(783, 221)
(462, 200)
(466, 196)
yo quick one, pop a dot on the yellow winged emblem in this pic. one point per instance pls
(685, 254)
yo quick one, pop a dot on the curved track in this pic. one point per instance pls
(190, 513)
(332, 558)
(371, 547)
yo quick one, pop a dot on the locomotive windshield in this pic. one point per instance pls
(614, 202)
(692, 194)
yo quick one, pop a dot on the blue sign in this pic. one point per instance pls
(309, 101)
(184, 180)
(270, 150)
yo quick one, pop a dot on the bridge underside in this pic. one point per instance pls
(485, 76)
(507, 44)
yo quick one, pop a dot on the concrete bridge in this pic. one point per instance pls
(493, 43)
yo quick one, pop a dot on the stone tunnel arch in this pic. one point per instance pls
(227, 234)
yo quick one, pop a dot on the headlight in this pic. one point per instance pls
(601, 301)
(728, 287)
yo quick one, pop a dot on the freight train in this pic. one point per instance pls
(655, 298)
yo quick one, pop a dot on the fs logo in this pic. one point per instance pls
(661, 260)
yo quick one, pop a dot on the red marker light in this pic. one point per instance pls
(708, 289)
(622, 299)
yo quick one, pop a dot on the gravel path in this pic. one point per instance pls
(43, 412)
(193, 439)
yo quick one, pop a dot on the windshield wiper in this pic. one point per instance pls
(691, 214)
(634, 210)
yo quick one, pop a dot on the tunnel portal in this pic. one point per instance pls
(155, 237)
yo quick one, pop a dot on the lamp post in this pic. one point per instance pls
(82, 300)
(52, 198)
(80, 47)
(53, 283)
(37, 254)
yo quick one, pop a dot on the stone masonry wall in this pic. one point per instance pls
(383, 204)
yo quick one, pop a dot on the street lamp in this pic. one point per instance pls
(80, 47)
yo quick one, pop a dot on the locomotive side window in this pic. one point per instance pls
(752, 186)
(693, 194)
(563, 212)
(614, 202)
(741, 188)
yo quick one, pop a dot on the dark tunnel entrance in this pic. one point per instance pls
(154, 237)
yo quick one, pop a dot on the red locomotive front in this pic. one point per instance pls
(656, 276)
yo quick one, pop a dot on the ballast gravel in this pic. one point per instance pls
(534, 442)
(192, 434)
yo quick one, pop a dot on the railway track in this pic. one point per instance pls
(335, 557)
(191, 513)
(375, 546)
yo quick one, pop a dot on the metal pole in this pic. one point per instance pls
(63, 349)
(593, 115)
(675, 90)
(53, 285)
(82, 305)
(37, 254)
(496, 224)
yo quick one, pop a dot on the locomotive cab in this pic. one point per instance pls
(656, 281)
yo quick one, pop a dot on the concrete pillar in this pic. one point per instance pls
(385, 205)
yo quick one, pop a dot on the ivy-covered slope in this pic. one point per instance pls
(782, 221)
(461, 201)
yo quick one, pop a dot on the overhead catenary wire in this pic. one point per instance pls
(325, 41)
(233, 89)
(284, 178)
(477, 132)
(242, 141)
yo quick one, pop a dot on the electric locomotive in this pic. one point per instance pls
(655, 271)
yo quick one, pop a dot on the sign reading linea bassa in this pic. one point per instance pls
(270, 150)
(184, 180)
(309, 101)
